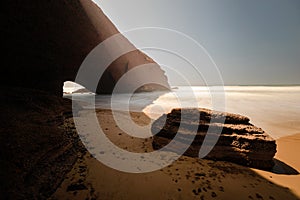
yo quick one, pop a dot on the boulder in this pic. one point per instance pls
(239, 142)
(45, 42)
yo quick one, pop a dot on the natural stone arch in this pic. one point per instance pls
(47, 47)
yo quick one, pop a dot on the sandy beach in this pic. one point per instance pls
(71, 65)
(288, 149)
(187, 178)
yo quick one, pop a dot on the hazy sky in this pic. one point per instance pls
(252, 42)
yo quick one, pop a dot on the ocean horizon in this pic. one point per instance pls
(275, 109)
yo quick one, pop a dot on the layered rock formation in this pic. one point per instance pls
(45, 42)
(240, 142)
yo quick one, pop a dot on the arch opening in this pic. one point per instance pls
(71, 87)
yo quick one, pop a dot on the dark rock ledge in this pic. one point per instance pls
(240, 141)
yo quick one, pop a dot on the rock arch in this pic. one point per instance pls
(45, 42)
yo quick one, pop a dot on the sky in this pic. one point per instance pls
(251, 42)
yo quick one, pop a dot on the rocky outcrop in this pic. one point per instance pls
(240, 142)
(45, 42)
(39, 143)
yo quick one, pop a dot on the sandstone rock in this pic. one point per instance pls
(240, 142)
(45, 42)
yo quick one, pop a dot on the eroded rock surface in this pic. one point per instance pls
(239, 142)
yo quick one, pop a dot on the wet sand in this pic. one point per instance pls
(187, 178)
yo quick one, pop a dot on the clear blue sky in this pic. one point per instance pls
(251, 41)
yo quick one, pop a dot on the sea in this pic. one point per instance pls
(275, 109)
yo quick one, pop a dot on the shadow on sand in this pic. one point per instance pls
(282, 168)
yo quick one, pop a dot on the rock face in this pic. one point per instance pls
(240, 142)
(39, 143)
(45, 42)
